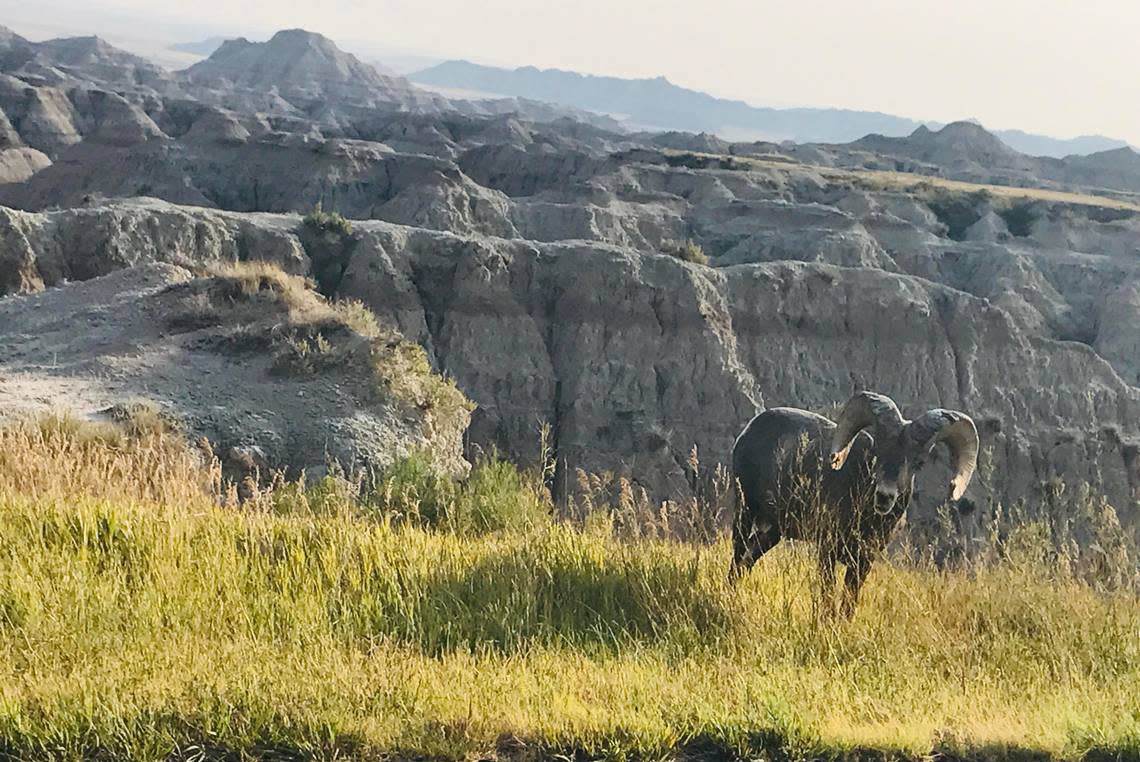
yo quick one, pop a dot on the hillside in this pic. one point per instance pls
(76, 60)
(307, 71)
(146, 616)
(960, 148)
(247, 357)
(509, 248)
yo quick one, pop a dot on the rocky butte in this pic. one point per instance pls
(531, 254)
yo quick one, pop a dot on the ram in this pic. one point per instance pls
(842, 485)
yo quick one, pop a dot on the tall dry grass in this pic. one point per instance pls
(142, 618)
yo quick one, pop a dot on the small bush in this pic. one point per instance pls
(954, 209)
(691, 160)
(320, 221)
(687, 250)
(329, 243)
(305, 353)
(1019, 218)
(402, 367)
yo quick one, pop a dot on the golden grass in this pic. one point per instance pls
(893, 180)
(905, 181)
(141, 620)
(908, 181)
(687, 250)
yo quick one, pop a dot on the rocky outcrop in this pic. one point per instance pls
(79, 244)
(304, 72)
(20, 163)
(204, 350)
(93, 60)
(534, 261)
(634, 357)
(43, 117)
(1117, 338)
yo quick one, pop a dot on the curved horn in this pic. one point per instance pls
(864, 410)
(957, 430)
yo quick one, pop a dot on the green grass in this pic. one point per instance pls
(332, 222)
(140, 619)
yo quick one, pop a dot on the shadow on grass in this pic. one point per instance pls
(766, 745)
(529, 596)
(774, 746)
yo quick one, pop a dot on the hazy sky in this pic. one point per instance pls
(1052, 66)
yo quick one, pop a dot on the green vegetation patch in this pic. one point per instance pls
(329, 242)
(954, 209)
(331, 223)
(687, 250)
(1019, 217)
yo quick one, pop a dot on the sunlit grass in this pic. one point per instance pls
(151, 621)
(888, 180)
(901, 181)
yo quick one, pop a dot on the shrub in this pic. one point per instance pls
(691, 160)
(956, 210)
(1019, 218)
(320, 221)
(328, 241)
(687, 250)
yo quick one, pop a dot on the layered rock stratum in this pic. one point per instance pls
(531, 258)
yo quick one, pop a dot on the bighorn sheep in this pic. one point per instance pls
(843, 485)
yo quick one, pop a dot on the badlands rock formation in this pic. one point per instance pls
(302, 73)
(526, 257)
(212, 353)
(635, 357)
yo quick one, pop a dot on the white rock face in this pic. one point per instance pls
(989, 228)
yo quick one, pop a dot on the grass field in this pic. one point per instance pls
(908, 181)
(141, 618)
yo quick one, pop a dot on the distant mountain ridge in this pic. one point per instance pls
(660, 104)
(1058, 148)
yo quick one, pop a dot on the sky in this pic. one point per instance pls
(1059, 67)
